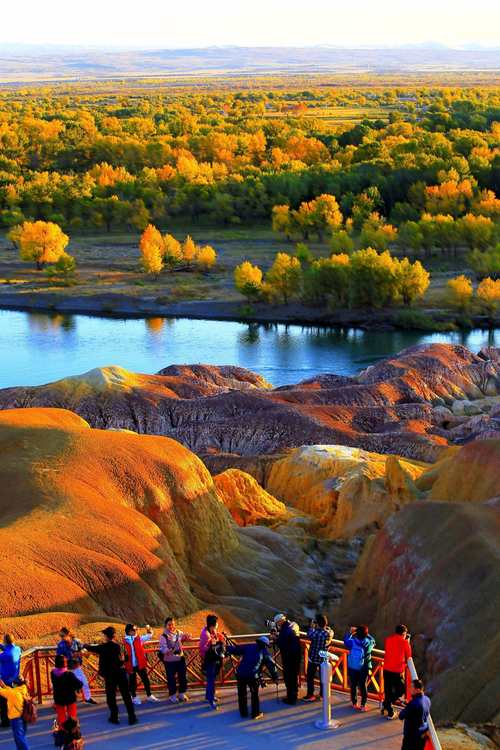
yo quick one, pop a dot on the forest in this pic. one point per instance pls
(411, 169)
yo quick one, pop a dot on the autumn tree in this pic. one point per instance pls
(172, 251)
(205, 257)
(284, 276)
(151, 246)
(341, 242)
(281, 220)
(377, 233)
(248, 280)
(188, 250)
(327, 281)
(488, 293)
(374, 281)
(41, 241)
(459, 292)
(412, 280)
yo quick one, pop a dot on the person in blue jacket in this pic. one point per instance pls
(416, 719)
(360, 645)
(10, 666)
(254, 658)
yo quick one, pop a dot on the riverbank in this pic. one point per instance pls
(125, 306)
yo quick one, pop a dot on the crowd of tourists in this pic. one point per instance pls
(122, 660)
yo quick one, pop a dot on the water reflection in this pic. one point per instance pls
(37, 348)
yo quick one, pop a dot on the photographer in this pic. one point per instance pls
(320, 637)
(255, 657)
(170, 647)
(360, 645)
(286, 635)
(211, 648)
(397, 652)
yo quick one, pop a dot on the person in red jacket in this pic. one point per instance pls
(397, 652)
(136, 662)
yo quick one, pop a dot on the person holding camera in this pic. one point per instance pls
(416, 719)
(136, 662)
(254, 658)
(320, 636)
(360, 645)
(173, 658)
(211, 648)
(287, 638)
(397, 652)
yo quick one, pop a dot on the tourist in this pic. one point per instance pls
(360, 645)
(15, 695)
(171, 641)
(70, 735)
(416, 719)
(211, 651)
(397, 652)
(65, 686)
(10, 664)
(71, 648)
(137, 662)
(287, 639)
(255, 657)
(320, 636)
(115, 677)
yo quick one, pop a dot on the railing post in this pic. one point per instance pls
(38, 679)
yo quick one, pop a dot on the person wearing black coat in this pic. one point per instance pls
(65, 686)
(288, 642)
(254, 658)
(111, 668)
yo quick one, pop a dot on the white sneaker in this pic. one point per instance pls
(173, 699)
(152, 699)
(137, 701)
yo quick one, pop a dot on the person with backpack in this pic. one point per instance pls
(319, 636)
(72, 648)
(254, 658)
(211, 647)
(397, 652)
(65, 686)
(360, 645)
(17, 697)
(10, 665)
(173, 658)
(111, 669)
(136, 662)
(416, 719)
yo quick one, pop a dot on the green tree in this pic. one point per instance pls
(284, 277)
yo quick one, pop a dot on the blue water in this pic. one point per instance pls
(38, 348)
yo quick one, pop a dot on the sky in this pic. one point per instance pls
(202, 23)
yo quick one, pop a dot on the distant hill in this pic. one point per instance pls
(35, 63)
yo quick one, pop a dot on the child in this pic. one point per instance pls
(71, 735)
(65, 687)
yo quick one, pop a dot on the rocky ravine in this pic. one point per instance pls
(412, 405)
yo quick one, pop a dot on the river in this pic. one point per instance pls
(37, 348)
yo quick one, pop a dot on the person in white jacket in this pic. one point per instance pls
(173, 658)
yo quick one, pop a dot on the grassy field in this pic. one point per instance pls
(110, 263)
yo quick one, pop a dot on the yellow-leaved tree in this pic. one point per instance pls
(151, 246)
(413, 280)
(205, 257)
(284, 277)
(172, 251)
(459, 292)
(41, 241)
(488, 293)
(188, 250)
(248, 280)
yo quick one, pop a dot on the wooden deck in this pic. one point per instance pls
(194, 726)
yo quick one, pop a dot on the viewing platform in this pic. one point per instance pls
(194, 726)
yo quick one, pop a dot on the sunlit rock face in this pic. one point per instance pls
(436, 566)
(345, 489)
(247, 502)
(405, 405)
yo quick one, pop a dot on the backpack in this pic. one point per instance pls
(357, 655)
(29, 714)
